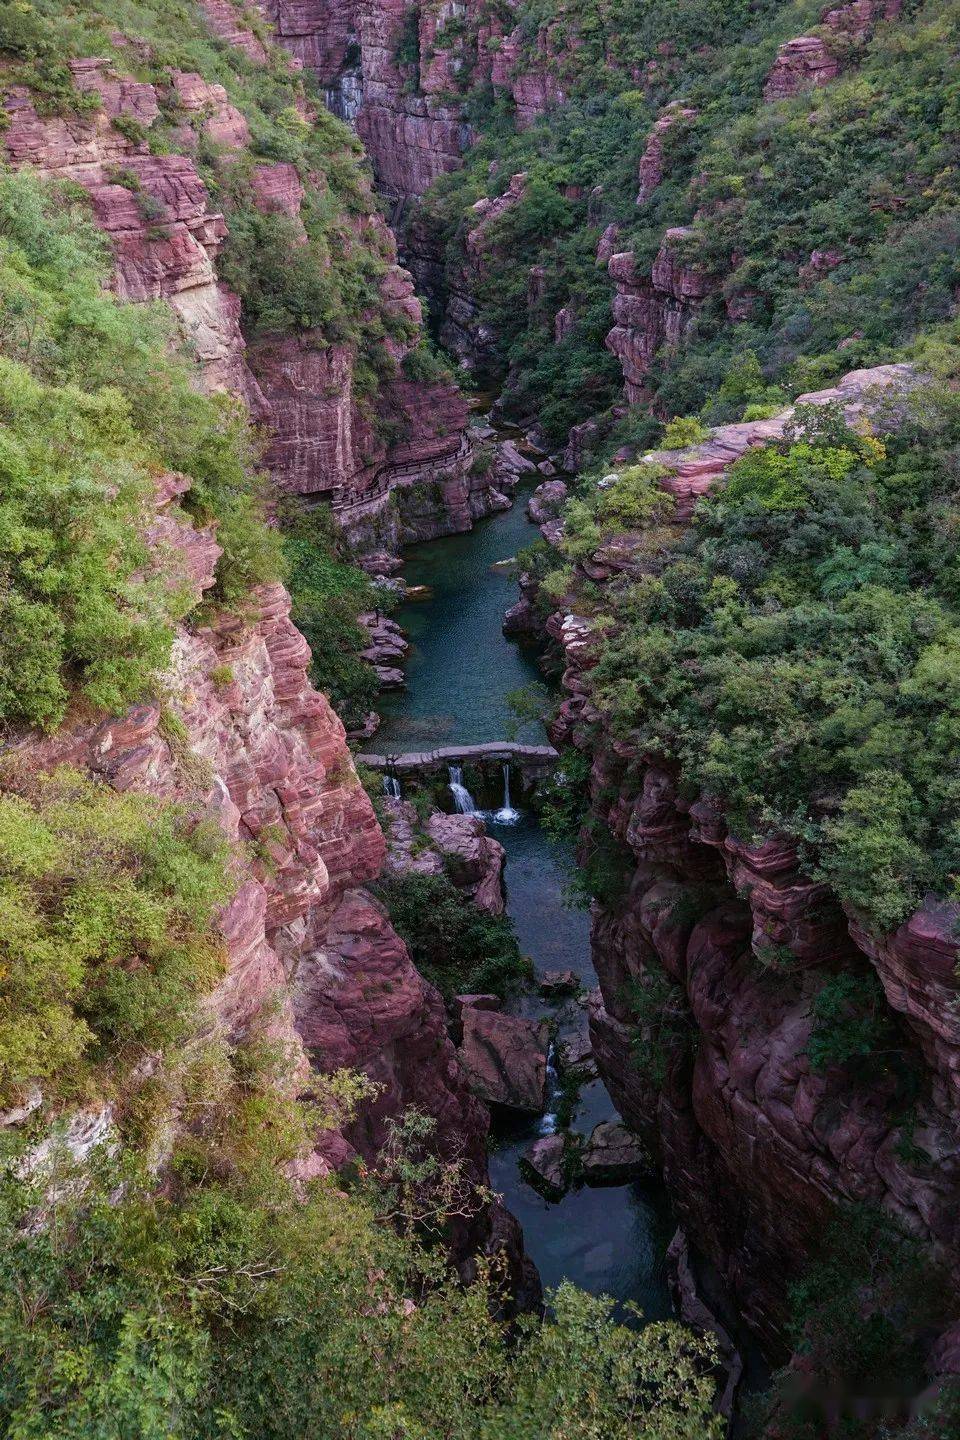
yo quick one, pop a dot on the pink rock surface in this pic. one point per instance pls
(652, 312)
(650, 172)
(505, 1059)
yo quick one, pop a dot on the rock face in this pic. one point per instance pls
(650, 171)
(758, 1149)
(812, 60)
(652, 312)
(265, 757)
(393, 70)
(454, 845)
(309, 955)
(505, 1059)
(167, 235)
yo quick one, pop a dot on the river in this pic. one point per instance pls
(459, 673)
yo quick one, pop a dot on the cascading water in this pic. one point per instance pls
(548, 1120)
(391, 787)
(461, 795)
(506, 815)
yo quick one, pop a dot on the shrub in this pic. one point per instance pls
(682, 432)
(455, 946)
(107, 905)
(328, 594)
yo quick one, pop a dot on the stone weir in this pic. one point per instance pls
(531, 760)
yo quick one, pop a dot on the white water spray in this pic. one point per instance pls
(461, 795)
(548, 1120)
(506, 815)
(391, 787)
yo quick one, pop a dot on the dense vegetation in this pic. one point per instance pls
(323, 285)
(94, 407)
(455, 946)
(329, 593)
(863, 171)
(794, 648)
(172, 1281)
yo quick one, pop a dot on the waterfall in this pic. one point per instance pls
(506, 815)
(548, 1120)
(461, 795)
(391, 787)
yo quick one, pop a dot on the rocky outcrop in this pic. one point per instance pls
(156, 211)
(463, 331)
(812, 60)
(526, 74)
(758, 1148)
(505, 1059)
(709, 968)
(323, 439)
(693, 472)
(454, 845)
(614, 1156)
(652, 312)
(309, 955)
(650, 172)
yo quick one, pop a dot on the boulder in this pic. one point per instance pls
(553, 983)
(614, 1155)
(479, 1002)
(575, 1055)
(505, 1059)
(544, 1166)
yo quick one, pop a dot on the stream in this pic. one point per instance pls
(460, 671)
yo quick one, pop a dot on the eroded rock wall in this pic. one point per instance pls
(709, 966)
(323, 438)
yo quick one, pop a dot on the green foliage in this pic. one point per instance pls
(318, 277)
(329, 593)
(232, 1309)
(832, 216)
(796, 652)
(851, 1023)
(107, 903)
(862, 1309)
(94, 408)
(662, 1017)
(683, 431)
(455, 946)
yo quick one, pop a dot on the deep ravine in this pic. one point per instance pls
(460, 672)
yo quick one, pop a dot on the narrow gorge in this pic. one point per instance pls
(479, 815)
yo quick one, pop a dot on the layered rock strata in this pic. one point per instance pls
(310, 956)
(394, 70)
(167, 234)
(758, 1148)
(653, 312)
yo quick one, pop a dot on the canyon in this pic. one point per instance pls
(664, 1043)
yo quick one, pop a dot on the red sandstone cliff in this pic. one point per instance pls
(758, 1149)
(652, 312)
(393, 68)
(167, 234)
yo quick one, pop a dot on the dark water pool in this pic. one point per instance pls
(461, 667)
(460, 671)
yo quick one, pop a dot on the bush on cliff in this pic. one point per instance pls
(795, 652)
(288, 280)
(107, 902)
(455, 946)
(227, 1310)
(827, 219)
(94, 409)
(329, 593)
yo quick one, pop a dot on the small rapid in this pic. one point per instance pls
(462, 798)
